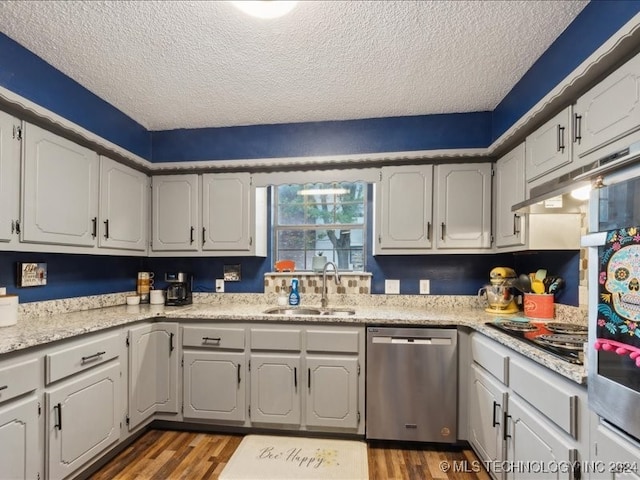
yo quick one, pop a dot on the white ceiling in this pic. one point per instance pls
(188, 64)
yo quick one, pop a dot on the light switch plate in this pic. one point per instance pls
(392, 287)
(219, 285)
(425, 287)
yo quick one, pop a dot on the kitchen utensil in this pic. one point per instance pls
(541, 273)
(525, 283)
(557, 284)
(537, 286)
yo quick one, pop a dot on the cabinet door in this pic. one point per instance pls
(214, 385)
(175, 212)
(463, 205)
(404, 208)
(226, 212)
(548, 148)
(531, 440)
(153, 371)
(9, 176)
(19, 455)
(124, 194)
(60, 190)
(82, 419)
(510, 189)
(275, 389)
(617, 457)
(332, 391)
(487, 402)
(608, 111)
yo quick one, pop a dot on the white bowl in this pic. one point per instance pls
(133, 300)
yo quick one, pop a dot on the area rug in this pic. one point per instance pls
(263, 457)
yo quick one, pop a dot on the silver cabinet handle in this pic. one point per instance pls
(90, 358)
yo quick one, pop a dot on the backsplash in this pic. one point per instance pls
(351, 283)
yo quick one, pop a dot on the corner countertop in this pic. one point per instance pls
(36, 331)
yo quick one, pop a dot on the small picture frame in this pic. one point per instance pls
(32, 274)
(232, 273)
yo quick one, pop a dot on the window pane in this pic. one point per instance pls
(309, 220)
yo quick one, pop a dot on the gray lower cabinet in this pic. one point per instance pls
(525, 421)
(275, 389)
(532, 440)
(332, 391)
(214, 385)
(19, 455)
(487, 404)
(153, 371)
(82, 419)
(615, 456)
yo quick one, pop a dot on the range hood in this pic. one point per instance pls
(563, 185)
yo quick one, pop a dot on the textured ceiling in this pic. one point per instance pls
(189, 64)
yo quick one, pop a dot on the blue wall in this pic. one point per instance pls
(26, 74)
(31, 77)
(591, 28)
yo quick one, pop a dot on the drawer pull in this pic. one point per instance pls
(211, 339)
(58, 409)
(4, 387)
(494, 422)
(90, 358)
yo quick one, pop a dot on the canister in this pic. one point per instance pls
(539, 305)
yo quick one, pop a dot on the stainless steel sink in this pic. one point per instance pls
(338, 312)
(293, 311)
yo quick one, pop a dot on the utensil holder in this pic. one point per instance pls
(539, 305)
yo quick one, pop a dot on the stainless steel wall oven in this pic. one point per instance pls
(614, 297)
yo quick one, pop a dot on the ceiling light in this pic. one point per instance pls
(581, 193)
(265, 8)
(323, 191)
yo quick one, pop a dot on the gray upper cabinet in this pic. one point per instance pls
(609, 111)
(228, 213)
(462, 195)
(549, 147)
(60, 190)
(175, 212)
(403, 209)
(124, 206)
(9, 177)
(509, 190)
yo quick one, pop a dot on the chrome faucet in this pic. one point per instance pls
(323, 301)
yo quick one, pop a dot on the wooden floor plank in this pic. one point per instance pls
(173, 455)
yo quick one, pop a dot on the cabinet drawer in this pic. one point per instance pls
(551, 395)
(490, 356)
(332, 341)
(18, 379)
(74, 359)
(276, 339)
(213, 337)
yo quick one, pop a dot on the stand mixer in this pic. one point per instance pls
(498, 296)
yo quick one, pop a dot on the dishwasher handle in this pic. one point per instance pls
(412, 340)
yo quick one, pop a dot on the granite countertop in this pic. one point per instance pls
(34, 331)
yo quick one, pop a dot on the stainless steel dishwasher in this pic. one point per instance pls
(412, 384)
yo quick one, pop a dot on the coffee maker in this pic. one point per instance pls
(179, 289)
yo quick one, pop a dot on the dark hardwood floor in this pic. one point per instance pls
(164, 455)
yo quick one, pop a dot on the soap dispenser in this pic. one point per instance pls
(294, 295)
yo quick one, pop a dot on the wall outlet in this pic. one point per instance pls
(392, 287)
(219, 285)
(425, 287)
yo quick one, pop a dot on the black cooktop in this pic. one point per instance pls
(563, 340)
